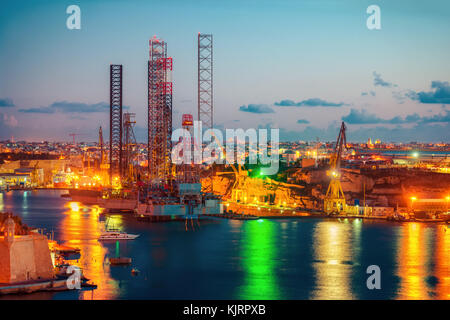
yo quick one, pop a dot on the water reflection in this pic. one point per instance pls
(416, 260)
(259, 260)
(332, 260)
(412, 256)
(81, 228)
(270, 259)
(442, 267)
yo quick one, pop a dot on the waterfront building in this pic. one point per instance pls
(23, 257)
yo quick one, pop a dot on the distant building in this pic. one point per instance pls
(15, 179)
(290, 156)
(383, 211)
(308, 163)
(431, 205)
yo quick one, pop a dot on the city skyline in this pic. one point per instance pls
(304, 74)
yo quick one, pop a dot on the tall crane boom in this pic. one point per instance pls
(100, 144)
(334, 201)
(335, 160)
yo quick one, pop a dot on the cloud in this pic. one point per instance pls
(377, 81)
(6, 102)
(302, 121)
(256, 108)
(421, 132)
(440, 94)
(313, 102)
(445, 117)
(372, 93)
(38, 110)
(364, 117)
(71, 107)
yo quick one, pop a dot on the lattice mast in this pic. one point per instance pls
(129, 143)
(205, 80)
(159, 113)
(205, 87)
(115, 123)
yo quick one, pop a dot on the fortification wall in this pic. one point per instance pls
(22, 266)
(27, 258)
(4, 262)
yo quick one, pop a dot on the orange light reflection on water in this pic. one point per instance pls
(419, 246)
(442, 267)
(412, 257)
(81, 229)
(332, 260)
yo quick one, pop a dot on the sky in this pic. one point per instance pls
(302, 66)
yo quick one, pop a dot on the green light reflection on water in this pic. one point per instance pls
(117, 249)
(259, 261)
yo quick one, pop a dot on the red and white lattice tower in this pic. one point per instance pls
(187, 172)
(159, 113)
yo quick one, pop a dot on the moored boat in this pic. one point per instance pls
(116, 235)
(120, 261)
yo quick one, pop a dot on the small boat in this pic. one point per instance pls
(134, 272)
(119, 261)
(116, 235)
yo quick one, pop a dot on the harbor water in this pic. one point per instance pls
(242, 259)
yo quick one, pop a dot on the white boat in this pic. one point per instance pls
(117, 235)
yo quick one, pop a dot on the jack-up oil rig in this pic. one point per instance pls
(164, 191)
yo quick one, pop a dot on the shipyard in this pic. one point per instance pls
(175, 166)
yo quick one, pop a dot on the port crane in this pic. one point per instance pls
(334, 201)
(101, 145)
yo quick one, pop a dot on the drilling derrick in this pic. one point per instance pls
(159, 113)
(334, 201)
(115, 125)
(130, 152)
(205, 80)
(205, 88)
(187, 172)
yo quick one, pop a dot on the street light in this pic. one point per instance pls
(412, 202)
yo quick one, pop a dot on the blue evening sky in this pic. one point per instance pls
(299, 65)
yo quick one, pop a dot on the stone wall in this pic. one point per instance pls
(42, 257)
(26, 258)
(22, 263)
(4, 262)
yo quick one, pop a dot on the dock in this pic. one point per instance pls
(33, 286)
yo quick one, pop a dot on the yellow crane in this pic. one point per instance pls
(334, 201)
